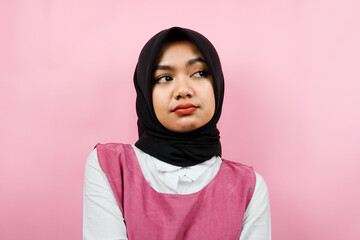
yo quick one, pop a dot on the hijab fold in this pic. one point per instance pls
(180, 149)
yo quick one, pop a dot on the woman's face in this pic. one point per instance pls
(183, 94)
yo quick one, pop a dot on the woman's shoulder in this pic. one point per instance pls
(112, 150)
(261, 186)
(92, 167)
(113, 156)
(238, 166)
(249, 172)
(101, 159)
(112, 146)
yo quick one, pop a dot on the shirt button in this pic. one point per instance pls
(182, 172)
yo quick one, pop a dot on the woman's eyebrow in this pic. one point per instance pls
(163, 67)
(188, 64)
(195, 60)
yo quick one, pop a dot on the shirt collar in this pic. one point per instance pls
(193, 172)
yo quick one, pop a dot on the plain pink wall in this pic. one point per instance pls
(291, 107)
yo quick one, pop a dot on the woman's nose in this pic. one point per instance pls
(183, 88)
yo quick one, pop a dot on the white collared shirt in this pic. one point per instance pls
(102, 218)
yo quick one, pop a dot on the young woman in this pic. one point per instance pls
(173, 183)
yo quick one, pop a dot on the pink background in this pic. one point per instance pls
(291, 106)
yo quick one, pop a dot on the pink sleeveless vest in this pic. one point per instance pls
(214, 212)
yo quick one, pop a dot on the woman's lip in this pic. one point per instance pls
(185, 111)
(184, 106)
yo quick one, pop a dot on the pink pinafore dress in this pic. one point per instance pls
(214, 212)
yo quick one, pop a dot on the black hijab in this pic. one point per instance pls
(180, 149)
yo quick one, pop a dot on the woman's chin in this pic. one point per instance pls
(184, 126)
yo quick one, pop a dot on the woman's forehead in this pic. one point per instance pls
(170, 51)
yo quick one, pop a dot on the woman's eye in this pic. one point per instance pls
(163, 79)
(200, 74)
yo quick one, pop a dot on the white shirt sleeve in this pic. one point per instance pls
(102, 218)
(257, 222)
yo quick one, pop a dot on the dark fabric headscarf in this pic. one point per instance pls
(180, 149)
